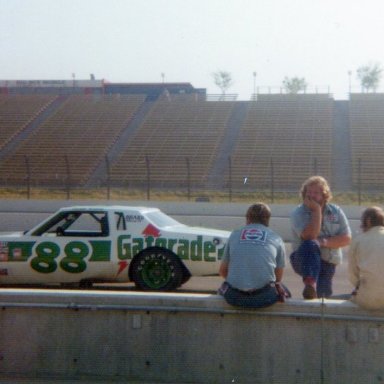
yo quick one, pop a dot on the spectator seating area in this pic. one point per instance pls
(78, 134)
(182, 137)
(366, 116)
(17, 111)
(178, 127)
(288, 136)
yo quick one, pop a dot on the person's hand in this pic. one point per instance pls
(311, 204)
(281, 292)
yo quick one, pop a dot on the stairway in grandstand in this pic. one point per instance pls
(178, 140)
(216, 177)
(20, 115)
(71, 141)
(187, 140)
(366, 117)
(100, 174)
(284, 139)
(341, 150)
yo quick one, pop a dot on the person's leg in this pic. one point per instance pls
(324, 281)
(306, 262)
(260, 300)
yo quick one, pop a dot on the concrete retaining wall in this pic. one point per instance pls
(185, 338)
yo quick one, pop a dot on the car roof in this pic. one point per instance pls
(86, 208)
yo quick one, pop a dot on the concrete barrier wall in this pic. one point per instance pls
(185, 338)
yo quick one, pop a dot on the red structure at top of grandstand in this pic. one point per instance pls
(151, 90)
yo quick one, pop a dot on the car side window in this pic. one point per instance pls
(76, 223)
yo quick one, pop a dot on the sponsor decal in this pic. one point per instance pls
(73, 257)
(151, 230)
(122, 266)
(46, 253)
(332, 218)
(17, 254)
(4, 251)
(253, 235)
(187, 249)
(134, 218)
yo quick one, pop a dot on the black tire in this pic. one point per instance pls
(157, 269)
(85, 284)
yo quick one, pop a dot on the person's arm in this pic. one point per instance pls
(337, 241)
(223, 270)
(279, 274)
(353, 269)
(312, 230)
(281, 292)
(224, 266)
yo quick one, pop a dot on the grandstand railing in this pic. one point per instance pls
(229, 186)
(222, 97)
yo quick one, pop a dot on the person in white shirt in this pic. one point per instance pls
(366, 261)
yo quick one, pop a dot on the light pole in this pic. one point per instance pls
(254, 85)
(163, 76)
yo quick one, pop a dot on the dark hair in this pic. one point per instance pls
(375, 216)
(258, 213)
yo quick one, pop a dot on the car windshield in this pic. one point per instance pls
(160, 219)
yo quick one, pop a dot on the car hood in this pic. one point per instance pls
(187, 230)
(11, 234)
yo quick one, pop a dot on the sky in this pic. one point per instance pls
(188, 40)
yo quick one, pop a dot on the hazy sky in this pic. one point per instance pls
(188, 40)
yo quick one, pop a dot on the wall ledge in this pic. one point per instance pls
(177, 302)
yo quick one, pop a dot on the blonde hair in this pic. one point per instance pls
(258, 213)
(319, 181)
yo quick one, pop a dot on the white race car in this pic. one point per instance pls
(89, 244)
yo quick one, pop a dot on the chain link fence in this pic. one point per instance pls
(271, 179)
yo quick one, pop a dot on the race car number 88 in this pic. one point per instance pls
(73, 262)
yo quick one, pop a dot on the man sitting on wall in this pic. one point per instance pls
(253, 263)
(366, 261)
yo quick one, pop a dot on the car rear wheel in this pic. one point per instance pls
(157, 269)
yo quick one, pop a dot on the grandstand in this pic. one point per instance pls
(291, 133)
(174, 136)
(17, 112)
(178, 128)
(75, 138)
(366, 115)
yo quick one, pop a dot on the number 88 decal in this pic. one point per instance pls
(73, 262)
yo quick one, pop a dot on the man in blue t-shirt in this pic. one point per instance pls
(319, 231)
(253, 262)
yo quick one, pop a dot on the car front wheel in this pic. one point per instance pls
(157, 269)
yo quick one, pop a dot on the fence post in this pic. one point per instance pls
(28, 169)
(68, 186)
(272, 182)
(108, 177)
(359, 181)
(230, 178)
(315, 166)
(148, 178)
(188, 178)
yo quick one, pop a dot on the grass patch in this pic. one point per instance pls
(345, 198)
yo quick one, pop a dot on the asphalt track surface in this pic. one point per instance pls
(210, 284)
